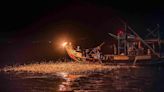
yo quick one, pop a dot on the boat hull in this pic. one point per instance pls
(115, 59)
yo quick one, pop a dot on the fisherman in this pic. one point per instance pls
(148, 52)
(114, 49)
(86, 53)
(78, 49)
(96, 53)
(130, 49)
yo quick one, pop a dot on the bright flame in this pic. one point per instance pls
(64, 44)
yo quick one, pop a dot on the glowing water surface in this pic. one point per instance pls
(140, 79)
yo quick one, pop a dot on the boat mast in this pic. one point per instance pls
(121, 39)
(118, 45)
(125, 40)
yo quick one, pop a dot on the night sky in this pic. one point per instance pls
(28, 20)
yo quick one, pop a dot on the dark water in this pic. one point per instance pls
(27, 52)
(139, 79)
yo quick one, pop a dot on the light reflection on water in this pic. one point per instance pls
(69, 80)
(142, 79)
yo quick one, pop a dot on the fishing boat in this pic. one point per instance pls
(130, 47)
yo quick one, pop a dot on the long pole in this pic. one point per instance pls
(125, 36)
(159, 41)
(118, 45)
(125, 41)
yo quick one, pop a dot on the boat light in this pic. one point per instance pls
(64, 44)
